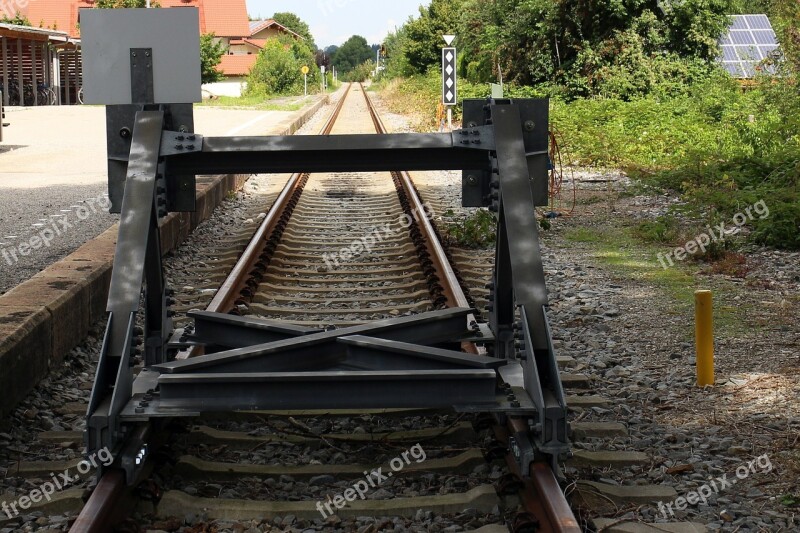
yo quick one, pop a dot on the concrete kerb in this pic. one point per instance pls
(44, 318)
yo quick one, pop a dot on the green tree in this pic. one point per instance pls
(361, 73)
(110, 4)
(297, 25)
(354, 52)
(423, 39)
(787, 15)
(277, 69)
(211, 52)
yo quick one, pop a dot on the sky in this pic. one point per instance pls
(334, 21)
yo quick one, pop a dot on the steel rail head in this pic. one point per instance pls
(99, 512)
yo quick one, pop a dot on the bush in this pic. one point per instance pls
(361, 73)
(277, 69)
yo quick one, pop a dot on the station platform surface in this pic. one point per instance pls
(66, 145)
(53, 168)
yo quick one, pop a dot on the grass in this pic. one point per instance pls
(256, 102)
(628, 257)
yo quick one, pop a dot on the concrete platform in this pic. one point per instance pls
(53, 176)
(57, 145)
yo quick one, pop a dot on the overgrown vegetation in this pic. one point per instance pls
(18, 20)
(278, 69)
(477, 230)
(352, 55)
(211, 52)
(633, 85)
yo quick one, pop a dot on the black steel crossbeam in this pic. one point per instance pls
(334, 390)
(458, 150)
(370, 353)
(320, 350)
(228, 331)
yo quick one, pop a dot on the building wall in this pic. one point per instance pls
(267, 33)
(230, 86)
(243, 49)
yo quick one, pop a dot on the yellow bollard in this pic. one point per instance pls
(704, 337)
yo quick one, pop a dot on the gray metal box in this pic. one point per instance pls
(173, 35)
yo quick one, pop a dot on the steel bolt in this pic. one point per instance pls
(530, 125)
(179, 147)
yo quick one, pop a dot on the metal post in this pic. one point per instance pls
(19, 73)
(704, 338)
(66, 78)
(450, 118)
(57, 77)
(34, 75)
(3, 40)
(305, 84)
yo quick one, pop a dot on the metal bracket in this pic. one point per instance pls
(176, 143)
(479, 137)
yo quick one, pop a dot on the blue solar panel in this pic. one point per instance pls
(739, 23)
(729, 54)
(748, 41)
(768, 49)
(758, 22)
(742, 37)
(748, 53)
(765, 37)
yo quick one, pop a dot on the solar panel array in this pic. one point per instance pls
(749, 40)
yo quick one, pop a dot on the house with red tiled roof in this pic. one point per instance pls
(226, 19)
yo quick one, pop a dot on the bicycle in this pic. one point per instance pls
(45, 94)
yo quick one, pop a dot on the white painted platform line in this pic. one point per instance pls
(247, 124)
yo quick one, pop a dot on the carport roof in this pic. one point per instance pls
(15, 31)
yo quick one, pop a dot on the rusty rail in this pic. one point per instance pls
(541, 495)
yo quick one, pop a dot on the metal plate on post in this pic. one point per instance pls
(142, 75)
(107, 37)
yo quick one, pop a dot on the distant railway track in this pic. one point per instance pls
(304, 265)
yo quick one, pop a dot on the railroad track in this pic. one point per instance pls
(335, 250)
(227, 472)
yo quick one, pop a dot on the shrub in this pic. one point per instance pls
(277, 69)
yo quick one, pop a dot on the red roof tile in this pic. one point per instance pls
(224, 18)
(256, 42)
(237, 65)
(56, 14)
